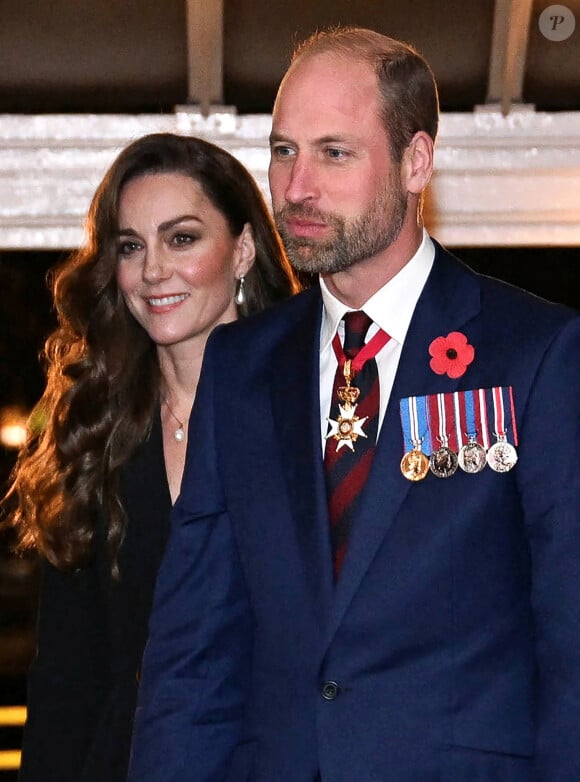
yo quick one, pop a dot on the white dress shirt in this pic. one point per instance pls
(390, 308)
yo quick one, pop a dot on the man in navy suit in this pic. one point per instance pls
(444, 644)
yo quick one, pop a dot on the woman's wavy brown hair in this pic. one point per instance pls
(103, 377)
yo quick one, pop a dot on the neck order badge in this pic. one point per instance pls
(348, 427)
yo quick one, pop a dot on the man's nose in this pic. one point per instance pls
(303, 182)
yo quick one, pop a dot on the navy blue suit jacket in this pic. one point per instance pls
(453, 634)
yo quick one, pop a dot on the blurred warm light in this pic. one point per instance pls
(9, 760)
(12, 715)
(13, 427)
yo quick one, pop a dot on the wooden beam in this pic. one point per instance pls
(205, 26)
(509, 45)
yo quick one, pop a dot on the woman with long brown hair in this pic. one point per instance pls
(179, 240)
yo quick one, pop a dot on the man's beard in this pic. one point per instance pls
(371, 233)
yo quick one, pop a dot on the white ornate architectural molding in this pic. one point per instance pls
(507, 180)
(500, 180)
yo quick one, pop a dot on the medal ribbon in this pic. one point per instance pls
(472, 432)
(510, 391)
(480, 399)
(470, 425)
(414, 421)
(437, 420)
(459, 416)
(441, 411)
(503, 397)
(498, 412)
(370, 350)
(443, 434)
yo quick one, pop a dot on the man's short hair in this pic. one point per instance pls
(405, 80)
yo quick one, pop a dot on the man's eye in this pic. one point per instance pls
(336, 154)
(282, 151)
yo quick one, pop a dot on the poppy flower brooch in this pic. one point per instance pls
(451, 355)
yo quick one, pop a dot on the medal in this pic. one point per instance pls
(415, 463)
(502, 455)
(443, 461)
(471, 456)
(348, 427)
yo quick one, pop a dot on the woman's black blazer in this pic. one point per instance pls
(91, 632)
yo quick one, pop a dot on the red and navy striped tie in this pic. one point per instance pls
(346, 470)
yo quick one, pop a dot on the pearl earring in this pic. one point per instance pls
(240, 296)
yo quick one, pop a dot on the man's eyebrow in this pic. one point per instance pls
(277, 137)
(335, 138)
(339, 138)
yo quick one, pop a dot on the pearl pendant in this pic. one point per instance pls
(179, 434)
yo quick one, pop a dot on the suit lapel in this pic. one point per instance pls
(295, 398)
(450, 298)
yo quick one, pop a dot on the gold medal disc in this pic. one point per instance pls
(414, 465)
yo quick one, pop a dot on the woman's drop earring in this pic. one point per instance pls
(240, 296)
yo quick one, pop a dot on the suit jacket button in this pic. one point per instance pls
(330, 691)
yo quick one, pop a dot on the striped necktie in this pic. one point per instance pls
(347, 464)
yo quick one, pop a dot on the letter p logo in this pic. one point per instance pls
(556, 22)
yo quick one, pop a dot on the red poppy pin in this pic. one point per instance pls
(451, 355)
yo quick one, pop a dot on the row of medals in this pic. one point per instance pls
(472, 458)
(415, 464)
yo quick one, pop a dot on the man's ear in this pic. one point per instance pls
(245, 251)
(417, 163)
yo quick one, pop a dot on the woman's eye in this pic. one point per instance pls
(128, 248)
(181, 239)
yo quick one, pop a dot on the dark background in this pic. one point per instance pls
(131, 56)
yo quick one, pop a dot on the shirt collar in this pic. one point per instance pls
(392, 306)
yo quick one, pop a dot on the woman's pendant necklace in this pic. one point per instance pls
(179, 433)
